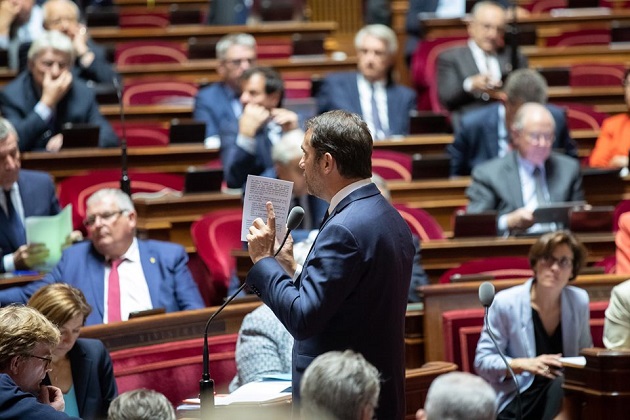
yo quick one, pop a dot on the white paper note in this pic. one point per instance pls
(51, 231)
(258, 191)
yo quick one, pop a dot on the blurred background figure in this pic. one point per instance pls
(141, 404)
(81, 367)
(20, 22)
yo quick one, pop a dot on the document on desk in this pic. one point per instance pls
(574, 361)
(259, 190)
(51, 231)
(258, 392)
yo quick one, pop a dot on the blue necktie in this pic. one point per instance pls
(15, 224)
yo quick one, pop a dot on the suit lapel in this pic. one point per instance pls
(468, 62)
(554, 182)
(96, 270)
(353, 94)
(491, 132)
(514, 180)
(7, 233)
(394, 110)
(150, 268)
(527, 326)
(81, 366)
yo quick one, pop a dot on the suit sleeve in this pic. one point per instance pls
(109, 389)
(55, 208)
(617, 322)
(17, 404)
(28, 124)
(585, 340)
(202, 112)
(458, 151)
(100, 70)
(418, 275)
(324, 95)
(186, 290)
(577, 192)
(450, 85)
(480, 193)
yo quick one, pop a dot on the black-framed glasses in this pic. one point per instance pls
(48, 360)
(106, 217)
(564, 262)
(238, 61)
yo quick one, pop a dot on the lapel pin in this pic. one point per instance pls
(152, 260)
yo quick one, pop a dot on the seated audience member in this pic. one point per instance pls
(617, 322)
(141, 404)
(622, 242)
(484, 133)
(27, 340)
(26, 193)
(81, 367)
(540, 175)
(20, 23)
(90, 59)
(613, 144)
(218, 105)
(264, 347)
(118, 273)
(469, 76)
(40, 100)
(286, 155)
(339, 386)
(229, 12)
(370, 92)
(459, 396)
(260, 126)
(535, 324)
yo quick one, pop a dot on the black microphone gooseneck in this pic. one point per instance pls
(514, 44)
(486, 296)
(125, 182)
(206, 385)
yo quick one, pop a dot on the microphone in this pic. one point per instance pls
(486, 297)
(514, 45)
(125, 182)
(206, 385)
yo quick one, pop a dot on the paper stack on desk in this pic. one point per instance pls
(259, 392)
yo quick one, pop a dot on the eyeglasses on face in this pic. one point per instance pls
(107, 217)
(238, 61)
(564, 262)
(539, 138)
(48, 360)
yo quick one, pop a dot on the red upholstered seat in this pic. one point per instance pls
(391, 165)
(497, 267)
(542, 6)
(77, 189)
(144, 19)
(580, 37)
(175, 368)
(582, 117)
(155, 91)
(622, 207)
(143, 134)
(146, 52)
(609, 264)
(297, 85)
(215, 235)
(596, 74)
(422, 224)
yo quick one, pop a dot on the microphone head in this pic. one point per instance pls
(486, 293)
(295, 217)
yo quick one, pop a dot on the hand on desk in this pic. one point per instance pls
(520, 219)
(29, 256)
(547, 365)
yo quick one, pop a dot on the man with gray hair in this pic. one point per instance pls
(117, 272)
(370, 92)
(43, 98)
(459, 396)
(141, 404)
(26, 193)
(340, 386)
(218, 105)
(483, 133)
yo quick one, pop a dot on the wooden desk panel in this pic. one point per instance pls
(175, 158)
(584, 54)
(162, 112)
(445, 297)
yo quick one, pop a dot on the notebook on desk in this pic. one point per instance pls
(80, 135)
(425, 166)
(186, 132)
(203, 180)
(475, 224)
(556, 212)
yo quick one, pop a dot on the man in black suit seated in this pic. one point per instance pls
(40, 100)
(483, 133)
(527, 177)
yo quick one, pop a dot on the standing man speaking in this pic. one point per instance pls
(352, 290)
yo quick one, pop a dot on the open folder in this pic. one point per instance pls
(51, 231)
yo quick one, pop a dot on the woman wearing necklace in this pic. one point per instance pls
(81, 367)
(535, 324)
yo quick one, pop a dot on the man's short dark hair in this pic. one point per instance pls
(347, 138)
(273, 81)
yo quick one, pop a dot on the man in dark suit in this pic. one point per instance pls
(352, 290)
(118, 273)
(29, 193)
(483, 133)
(471, 75)
(370, 91)
(40, 100)
(218, 105)
(261, 124)
(529, 176)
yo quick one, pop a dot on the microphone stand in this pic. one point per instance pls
(514, 40)
(125, 182)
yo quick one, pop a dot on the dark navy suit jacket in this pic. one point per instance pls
(18, 100)
(477, 138)
(351, 294)
(170, 283)
(93, 378)
(340, 91)
(239, 163)
(38, 199)
(17, 404)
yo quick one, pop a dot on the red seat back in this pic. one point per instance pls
(452, 323)
(391, 165)
(146, 52)
(580, 37)
(144, 19)
(143, 133)
(174, 368)
(497, 267)
(622, 207)
(151, 92)
(596, 74)
(421, 223)
(215, 235)
(582, 117)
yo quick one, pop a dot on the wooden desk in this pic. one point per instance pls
(9, 280)
(600, 390)
(439, 298)
(162, 112)
(583, 54)
(181, 33)
(175, 158)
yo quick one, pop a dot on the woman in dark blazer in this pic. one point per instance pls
(81, 367)
(535, 324)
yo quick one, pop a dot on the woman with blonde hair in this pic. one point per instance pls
(81, 367)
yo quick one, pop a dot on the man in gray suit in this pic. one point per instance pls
(527, 177)
(469, 76)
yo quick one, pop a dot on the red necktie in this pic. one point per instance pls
(113, 293)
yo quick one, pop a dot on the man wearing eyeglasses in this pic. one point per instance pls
(529, 176)
(27, 340)
(117, 272)
(218, 105)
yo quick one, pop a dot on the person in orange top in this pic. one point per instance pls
(612, 145)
